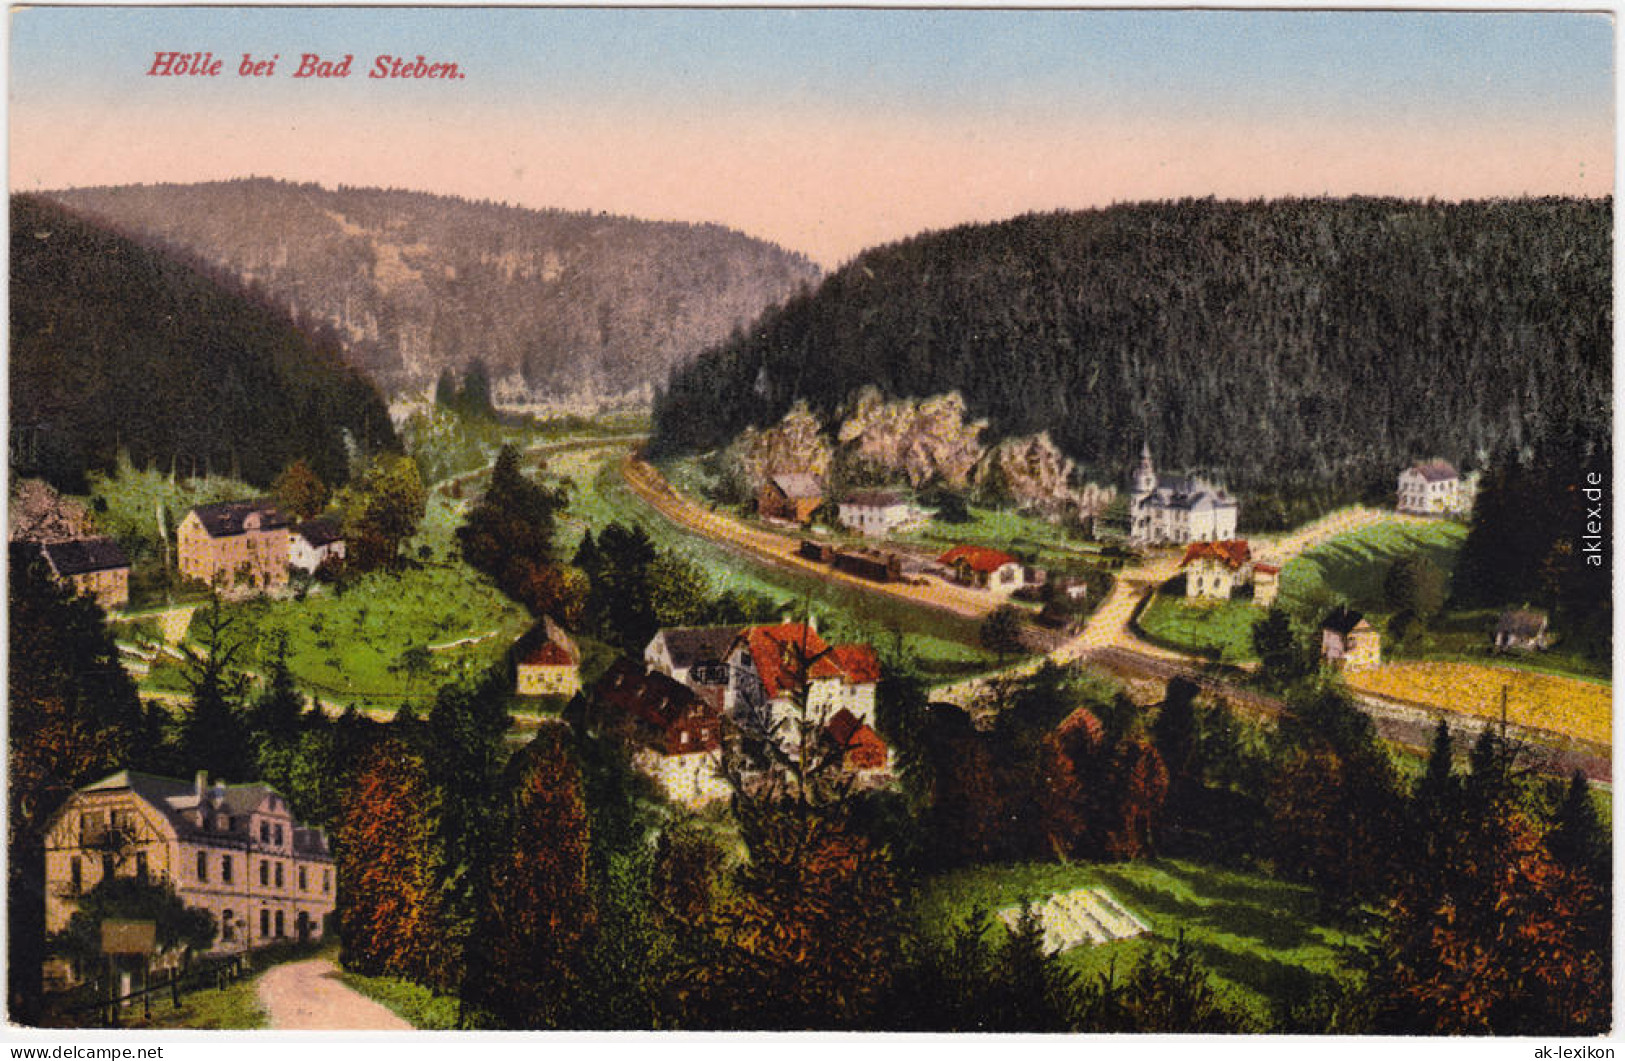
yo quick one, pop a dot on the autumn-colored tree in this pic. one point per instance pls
(1142, 786)
(1070, 780)
(538, 920)
(300, 491)
(388, 901)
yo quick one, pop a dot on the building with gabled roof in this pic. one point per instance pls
(770, 665)
(1521, 630)
(984, 568)
(1432, 488)
(1348, 641)
(1218, 570)
(790, 496)
(1177, 509)
(238, 545)
(94, 567)
(876, 513)
(547, 661)
(234, 850)
(675, 733)
(313, 543)
(860, 747)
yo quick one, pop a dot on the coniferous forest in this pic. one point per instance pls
(118, 347)
(1297, 348)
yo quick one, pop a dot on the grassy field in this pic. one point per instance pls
(1222, 629)
(1258, 937)
(1352, 566)
(349, 647)
(941, 644)
(1565, 705)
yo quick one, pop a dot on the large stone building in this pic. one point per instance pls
(674, 733)
(233, 850)
(238, 545)
(770, 668)
(1432, 488)
(93, 567)
(1176, 510)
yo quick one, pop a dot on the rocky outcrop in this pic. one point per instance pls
(1032, 473)
(795, 445)
(921, 440)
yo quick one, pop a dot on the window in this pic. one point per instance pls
(202, 865)
(226, 927)
(302, 885)
(327, 880)
(279, 879)
(76, 875)
(107, 867)
(265, 832)
(279, 924)
(141, 865)
(278, 836)
(265, 923)
(265, 874)
(225, 868)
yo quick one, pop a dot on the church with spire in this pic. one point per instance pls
(1177, 509)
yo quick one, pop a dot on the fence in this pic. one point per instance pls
(216, 974)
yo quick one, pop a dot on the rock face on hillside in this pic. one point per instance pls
(795, 445)
(1032, 473)
(922, 439)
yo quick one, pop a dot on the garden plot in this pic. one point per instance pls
(1084, 916)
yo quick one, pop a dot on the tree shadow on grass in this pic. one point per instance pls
(1270, 916)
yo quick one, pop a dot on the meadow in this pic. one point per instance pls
(1220, 630)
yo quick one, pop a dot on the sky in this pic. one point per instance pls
(826, 131)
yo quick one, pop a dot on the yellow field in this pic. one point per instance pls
(1544, 701)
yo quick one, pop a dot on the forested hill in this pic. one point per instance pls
(554, 303)
(1305, 344)
(114, 345)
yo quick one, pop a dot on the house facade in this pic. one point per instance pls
(1348, 641)
(984, 568)
(768, 664)
(1176, 510)
(876, 513)
(313, 543)
(1521, 630)
(92, 567)
(548, 662)
(676, 735)
(1216, 570)
(697, 656)
(233, 850)
(1431, 488)
(241, 545)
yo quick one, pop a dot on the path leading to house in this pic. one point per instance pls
(309, 995)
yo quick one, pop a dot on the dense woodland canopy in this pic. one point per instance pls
(554, 302)
(1300, 346)
(116, 346)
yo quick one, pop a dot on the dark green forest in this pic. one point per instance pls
(553, 301)
(116, 346)
(1291, 348)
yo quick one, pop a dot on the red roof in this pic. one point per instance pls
(851, 735)
(979, 557)
(1266, 569)
(780, 650)
(1232, 554)
(547, 654)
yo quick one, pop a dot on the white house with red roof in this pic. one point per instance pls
(984, 568)
(547, 662)
(768, 664)
(1217, 570)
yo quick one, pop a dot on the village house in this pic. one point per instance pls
(862, 751)
(1223, 569)
(1349, 642)
(876, 513)
(793, 498)
(92, 567)
(984, 568)
(676, 735)
(694, 655)
(1521, 630)
(547, 662)
(233, 850)
(1432, 488)
(313, 543)
(235, 544)
(1175, 510)
(768, 664)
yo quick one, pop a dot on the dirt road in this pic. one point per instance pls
(308, 995)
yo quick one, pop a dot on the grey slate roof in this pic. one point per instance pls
(1435, 471)
(799, 485)
(175, 798)
(1521, 623)
(688, 645)
(320, 532)
(84, 556)
(226, 518)
(1342, 621)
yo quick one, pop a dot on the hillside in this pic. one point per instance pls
(114, 345)
(554, 303)
(1286, 347)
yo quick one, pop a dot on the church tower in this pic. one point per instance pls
(1145, 477)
